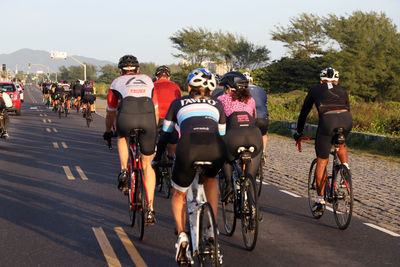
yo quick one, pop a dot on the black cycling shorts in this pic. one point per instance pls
(138, 112)
(327, 123)
(262, 124)
(77, 94)
(89, 99)
(197, 147)
(243, 136)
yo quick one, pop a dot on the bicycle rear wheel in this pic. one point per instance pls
(208, 239)
(260, 176)
(88, 117)
(59, 110)
(140, 203)
(249, 214)
(312, 189)
(343, 197)
(228, 205)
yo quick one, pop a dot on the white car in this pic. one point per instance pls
(20, 91)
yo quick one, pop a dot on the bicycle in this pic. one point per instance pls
(60, 107)
(241, 203)
(338, 186)
(88, 115)
(203, 238)
(137, 194)
(260, 175)
(164, 174)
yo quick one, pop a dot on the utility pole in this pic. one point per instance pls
(84, 67)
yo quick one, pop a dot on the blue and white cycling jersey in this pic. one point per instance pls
(191, 114)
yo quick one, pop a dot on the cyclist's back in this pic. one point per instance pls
(167, 91)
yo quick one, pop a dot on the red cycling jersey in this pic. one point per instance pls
(137, 85)
(167, 92)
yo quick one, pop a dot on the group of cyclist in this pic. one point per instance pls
(70, 95)
(204, 127)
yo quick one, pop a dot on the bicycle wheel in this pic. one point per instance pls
(166, 181)
(139, 201)
(88, 117)
(208, 239)
(249, 216)
(131, 200)
(59, 111)
(312, 189)
(66, 112)
(343, 197)
(228, 205)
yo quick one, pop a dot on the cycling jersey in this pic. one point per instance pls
(77, 89)
(260, 97)
(231, 106)
(136, 85)
(167, 91)
(191, 114)
(326, 97)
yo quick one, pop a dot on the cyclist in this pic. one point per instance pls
(167, 91)
(76, 91)
(262, 120)
(138, 108)
(5, 102)
(201, 123)
(240, 110)
(332, 103)
(67, 94)
(58, 94)
(88, 97)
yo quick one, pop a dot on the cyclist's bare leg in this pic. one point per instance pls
(179, 210)
(320, 173)
(149, 177)
(265, 140)
(123, 152)
(342, 153)
(211, 188)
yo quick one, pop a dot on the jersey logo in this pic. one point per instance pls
(134, 82)
(187, 101)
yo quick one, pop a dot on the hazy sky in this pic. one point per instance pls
(109, 29)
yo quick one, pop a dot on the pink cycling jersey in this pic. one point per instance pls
(234, 106)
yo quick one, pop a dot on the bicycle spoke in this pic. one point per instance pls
(208, 240)
(343, 198)
(249, 214)
(312, 189)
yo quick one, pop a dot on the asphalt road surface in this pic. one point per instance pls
(59, 206)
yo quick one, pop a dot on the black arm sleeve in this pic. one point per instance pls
(307, 106)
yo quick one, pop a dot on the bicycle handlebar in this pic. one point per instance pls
(298, 142)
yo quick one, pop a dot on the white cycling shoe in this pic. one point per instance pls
(183, 255)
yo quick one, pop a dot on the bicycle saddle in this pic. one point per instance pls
(338, 137)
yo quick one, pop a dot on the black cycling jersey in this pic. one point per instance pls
(77, 89)
(326, 97)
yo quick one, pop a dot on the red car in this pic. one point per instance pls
(11, 90)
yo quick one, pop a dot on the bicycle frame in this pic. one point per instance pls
(195, 198)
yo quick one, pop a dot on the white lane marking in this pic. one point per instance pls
(329, 208)
(64, 145)
(33, 108)
(382, 229)
(48, 130)
(44, 121)
(130, 248)
(45, 115)
(68, 172)
(41, 115)
(105, 246)
(289, 193)
(81, 173)
(55, 130)
(266, 183)
(55, 145)
(49, 120)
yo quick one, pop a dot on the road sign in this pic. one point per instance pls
(58, 55)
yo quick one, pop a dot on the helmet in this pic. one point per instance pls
(217, 78)
(234, 79)
(329, 74)
(162, 71)
(128, 62)
(202, 78)
(249, 78)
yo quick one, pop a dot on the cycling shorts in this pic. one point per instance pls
(243, 136)
(262, 124)
(89, 99)
(327, 123)
(77, 94)
(197, 147)
(138, 112)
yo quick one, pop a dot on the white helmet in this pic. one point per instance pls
(329, 74)
(202, 78)
(249, 78)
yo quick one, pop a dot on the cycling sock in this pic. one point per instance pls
(347, 165)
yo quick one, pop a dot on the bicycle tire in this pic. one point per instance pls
(228, 206)
(59, 111)
(249, 216)
(343, 197)
(132, 209)
(167, 182)
(88, 117)
(66, 112)
(312, 189)
(208, 238)
(140, 203)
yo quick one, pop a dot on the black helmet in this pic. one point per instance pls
(162, 71)
(234, 79)
(128, 61)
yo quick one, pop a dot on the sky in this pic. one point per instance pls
(107, 30)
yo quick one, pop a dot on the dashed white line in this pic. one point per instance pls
(55, 130)
(105, 246)
(55, 145)
(289, 193)
(81, 173)
(48, 130)
(382, 229)
(130, 248)
(68, 172)
(64, 145)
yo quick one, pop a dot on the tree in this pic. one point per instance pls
(73, 73)
(304, 37)
(249, 56)
(108, 73)
(195, 45)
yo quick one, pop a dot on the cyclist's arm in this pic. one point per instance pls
(155, 102)
(222, 119)
(112, 105)
(306, 108)
(170, 119)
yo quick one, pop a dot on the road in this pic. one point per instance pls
(60, 207)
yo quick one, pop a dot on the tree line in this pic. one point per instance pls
(363, 46)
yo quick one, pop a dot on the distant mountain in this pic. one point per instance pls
(20, 59)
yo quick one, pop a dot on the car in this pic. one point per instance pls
(20, 89)
(11, 89)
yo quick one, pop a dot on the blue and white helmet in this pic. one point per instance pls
(202, 78)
